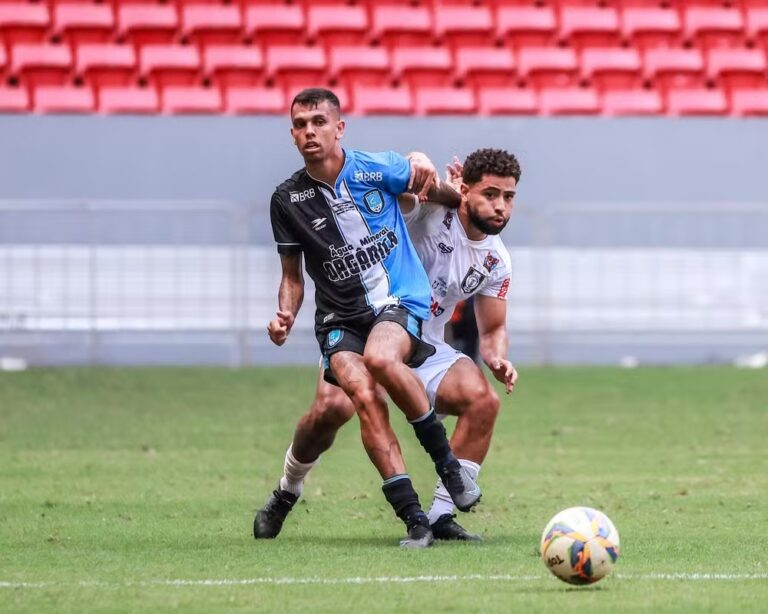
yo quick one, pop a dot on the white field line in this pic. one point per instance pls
(313, 580)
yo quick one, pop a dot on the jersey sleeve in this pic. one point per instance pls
(397, 172)
(499, 287)
(287, 242)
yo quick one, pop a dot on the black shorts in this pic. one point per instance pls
(352, 335)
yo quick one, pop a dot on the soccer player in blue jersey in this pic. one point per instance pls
(341, 212)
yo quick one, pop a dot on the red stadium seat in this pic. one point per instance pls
(445, 101)
(144, 24)
(737, 68)
(507, 101)
(632, 102)
(548, 66)
(3, 59)
(274, 24)
(170, 65)
(83, 23)
(105, 64)
(422, 66)
(647, 26)
(485, 66)
(211, 24)
(757, 24)
(41, 64)
(63, 99)
(359, 64)
(569, 101)
(393, 25)
(129, 100)
(714, 26)
(254, 100)
(14, 100)
(23, 23)
(672, 68)
(611, 68)
(589, 26)
(382, 100)
(696, 101)
(337, 25)
(191, 100)
(234, 65)
(750, 102)
(294, 65)
(526, 26)
(463, 25)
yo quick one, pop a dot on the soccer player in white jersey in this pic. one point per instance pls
(463, 256)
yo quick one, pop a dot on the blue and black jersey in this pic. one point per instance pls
(353, 236)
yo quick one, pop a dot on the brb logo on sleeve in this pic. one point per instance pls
(374, 201)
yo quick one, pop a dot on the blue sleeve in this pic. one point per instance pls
(397, 172)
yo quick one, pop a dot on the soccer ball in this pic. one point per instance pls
(580, 545)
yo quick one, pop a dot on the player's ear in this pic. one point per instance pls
(340, 125)
(464, 189)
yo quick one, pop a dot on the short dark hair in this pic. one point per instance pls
(313, 96)
(496, 162)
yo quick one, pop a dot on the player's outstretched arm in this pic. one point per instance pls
(426, 183)
(289, 298)
(491, 314)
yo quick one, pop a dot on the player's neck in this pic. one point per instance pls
(473, 232)
(328, 169)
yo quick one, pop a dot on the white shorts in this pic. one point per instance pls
(432, 372)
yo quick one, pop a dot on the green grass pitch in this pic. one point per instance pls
(134, 490)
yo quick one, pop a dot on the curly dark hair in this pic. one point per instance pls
(313, 96)
(497, 162)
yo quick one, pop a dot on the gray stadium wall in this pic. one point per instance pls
(241, 159)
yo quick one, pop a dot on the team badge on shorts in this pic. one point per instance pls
(334, 337)
(374, 201)
(472, 280)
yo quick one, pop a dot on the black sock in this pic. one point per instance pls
(431, 435)
(403, 498)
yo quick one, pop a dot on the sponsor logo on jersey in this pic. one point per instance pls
(490, 262)
(440, 287)
(370, 176)
(448, 220)
(435, 308)
(348, 260)
(504, 289)
(334, 337)
(446, 249)
(329, 317)
(318, 223)
(300, 197)
(472, 280)
(374, 201)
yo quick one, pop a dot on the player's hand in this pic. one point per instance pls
(423, 175)
(505, 372)
(279, 328)
(453, 172)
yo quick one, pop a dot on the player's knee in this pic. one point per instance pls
(363, 396)
(485, 404)
(334, 408)
(378, 364)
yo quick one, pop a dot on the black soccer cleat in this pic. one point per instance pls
(464, 491)
(269, 519)
(447, 528)
(419, 533)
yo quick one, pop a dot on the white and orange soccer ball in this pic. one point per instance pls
(580, 545)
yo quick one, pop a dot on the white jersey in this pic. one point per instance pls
(456, 266)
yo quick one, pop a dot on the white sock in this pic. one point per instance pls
(442, 503)
(294, 473)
